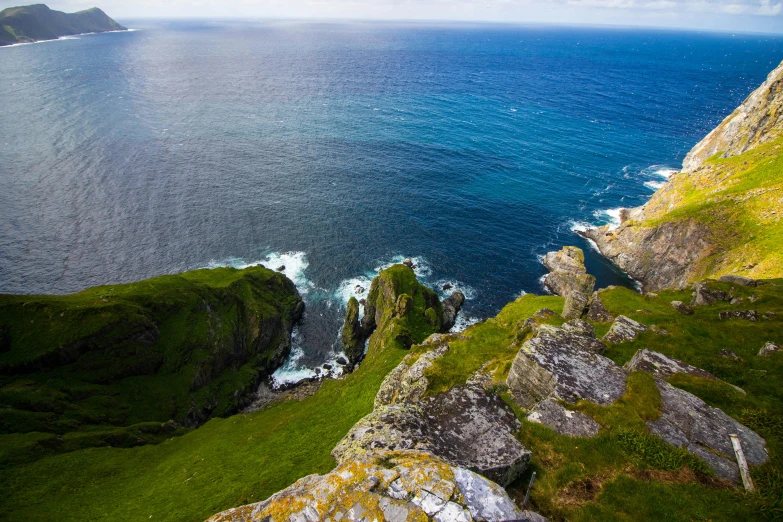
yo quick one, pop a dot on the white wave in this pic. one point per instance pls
(609, 216)
(579, 226)
(541, 282)
(294, 266)
(357, 287)
(654, 185)
(292, 371)
(453, 286)
(463, 322)
(664, 172)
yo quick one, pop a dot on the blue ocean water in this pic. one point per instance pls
(335, 149)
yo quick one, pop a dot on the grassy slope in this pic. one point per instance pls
(226, 462)
(126, 383)
(740, 199)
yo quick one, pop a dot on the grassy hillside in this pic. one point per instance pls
(111, 365)
(38, 22)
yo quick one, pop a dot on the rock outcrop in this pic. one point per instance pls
(682, 307)
(451, 307)
(738, 280)
(352, 335)
(406, 382)
(624, 329)
(703, 295)
(554, 415)
(597, 311)
(688, 422)
(662, 366)
(768, 349)
(466, 426)
(748, 315)
(396, 486)
(568, 278)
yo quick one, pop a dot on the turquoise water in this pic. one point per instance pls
(334, 149)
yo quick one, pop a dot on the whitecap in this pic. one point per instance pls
(463, 322)
(664, 172)
(294, 265)
(654, 185)
(609, 216)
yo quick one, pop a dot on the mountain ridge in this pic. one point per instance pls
(37, 22)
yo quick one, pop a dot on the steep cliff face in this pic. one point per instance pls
(720, 214)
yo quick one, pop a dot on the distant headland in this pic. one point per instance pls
(35, 23)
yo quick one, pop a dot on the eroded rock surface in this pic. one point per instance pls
(565, 422)
(704, 296)
(569, 278)
(624, 329)
(682, 307)
(407, 383)
(748, 315)
(662, 366)
(597, 311)
(451, 307)
(688, 422)
(395, 486)
(465, 426)
(738, 280)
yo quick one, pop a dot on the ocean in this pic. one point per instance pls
(335, 149)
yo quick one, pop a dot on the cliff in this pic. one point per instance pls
(37, 22)
(721, 214)
(108, 365)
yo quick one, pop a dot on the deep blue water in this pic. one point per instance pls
(473, 148)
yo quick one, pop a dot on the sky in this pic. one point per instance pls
(759, 16)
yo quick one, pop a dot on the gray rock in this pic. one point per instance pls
(662, 366)
(728, 354)
(624, 329)
(688, 422)
(736, 300)
(703, 296)
(569, 278)
(768, 349)
(407, 262)
(465, 426)
(565, 422)
(407, 383)
(738, 280)
(583, 329)
(597, 311)
(451, 307)
(558, 364)
(749, 315)
(482, 499)
(682, 307)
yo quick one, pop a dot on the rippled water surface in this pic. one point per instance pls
(336, 149)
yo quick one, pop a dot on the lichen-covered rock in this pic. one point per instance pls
(704, 296)
(552, 414)
(397, 486)
(688, 422)
(749, 315)
(563, 365)
(597, 311)
(465, 426)
(682, 307)
(406, 382)
(624, 329)
(738, 280)
(768, 349)
(451, 307)
(569, 278)
(662, 366)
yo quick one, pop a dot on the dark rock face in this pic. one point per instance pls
(738, 280)
(597, 311)
(559, 364)
(662, 366)
(703, 296)
(569, 278)
(749, 315)
(688, 422)
(624, 329)
(465, 426)
(565, 422)
(682, 307)
(352, 334)
(451, 307)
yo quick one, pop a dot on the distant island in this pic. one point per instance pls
(34, 23)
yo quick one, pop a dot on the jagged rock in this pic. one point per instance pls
(352, 334)
(408, 262)
(342, 361)
(451, 307)
(624, 329)
(584, 329)
(281, 268)
(465, 426)
(395, 486)
(703, 296)
(446, 287)
(728, 354)
(658, 330)
(750, 315)
(565, 422)
(406, 382)
(662, 366)
(569, 278)
(559, 364)
(682, 307)
(768, 349)
(688, 422)
(597, 311)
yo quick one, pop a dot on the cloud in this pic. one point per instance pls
(767, 8)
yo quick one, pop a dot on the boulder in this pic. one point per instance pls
(728, 354)
(688, 422)
(768, 349)
(559, 364)
(408, 262)
(397, 486)
(597, 311)
(406, 382)
(552, 414)
(569, 278)
(662, 366)
(465, 426)
(738, 280)
(451, 307)
(748, 315)
(703, 296)
(682, 307)
(624, 329)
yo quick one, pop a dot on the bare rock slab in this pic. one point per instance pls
(688, 422)
(565, 422)
(662, 366)
(465, 426)
(406, 382)
(748, 315)
(624, 329)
